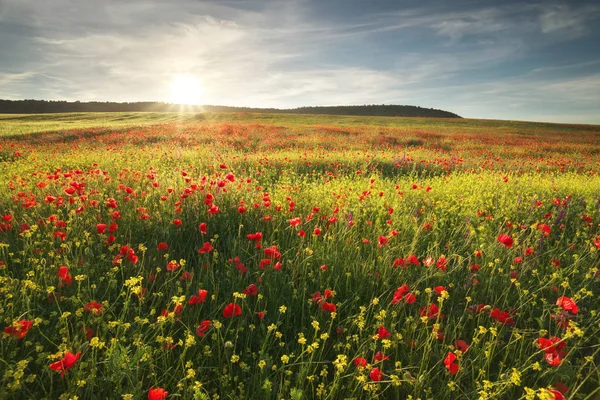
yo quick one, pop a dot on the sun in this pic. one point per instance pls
(185, 89)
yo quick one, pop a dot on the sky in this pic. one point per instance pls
(518, 60)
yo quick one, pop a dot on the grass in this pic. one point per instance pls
(312, 225)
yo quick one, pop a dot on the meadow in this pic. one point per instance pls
(257, 256)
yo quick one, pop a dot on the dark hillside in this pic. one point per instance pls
(43, 106)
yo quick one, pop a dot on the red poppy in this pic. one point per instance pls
(260, 314)
(329, 307)
(295, 221)
(317, 231)
(410, 298)
(379, 356)
(360, 362)
(202, 228)
(172, 265)
(157, 394)
(567, 304)
(231, 310)
(251, 290)
(162, 246)
(399, 293)
(553, 359)
(206, 248)
(186, 276)
(506, 240)
(450, 363)
(382, 241)
(561, 387)
(19, 329)
(461, 345)
(100, 228)
(383, 333)
(502, 316)
(93, 307)
(65, 277)
(431, 311)
(376, 375)
(63, 272)
(553, 349)
(439, 289)
(199, 298)
(202, 328)
(272, 252)
(67, 362)
(557, 394)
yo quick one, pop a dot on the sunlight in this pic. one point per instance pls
(185, 89)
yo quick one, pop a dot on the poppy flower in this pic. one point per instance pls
(379, 356)
(295, 221)
(376, 375)
(506, 240)
(199, 298)
(231, 310)
(431, 311)
(157, 394)
(65, 277)
(67, 362)
(202, 328)
(410, 298)
(202, 228)
(186, 276)
(461, 345)
(382, 241)
(172, 265)
(451, 364)
(100, 228)
(93, 307)
(442, 264)
(206, 248)
(19, 329)
(557, 394)
(383, 333)
(561, 387)
(260, 314)
(162, 246)
(329, 307)
(251, 290)
(502, 316)
(567, 304)
(551, 345)
(360, 362)
(399, 293)
(553, 359)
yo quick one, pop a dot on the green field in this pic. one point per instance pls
(283, 256)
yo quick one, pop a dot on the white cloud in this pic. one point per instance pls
(276, 54)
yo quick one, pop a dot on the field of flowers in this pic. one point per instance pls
(300, 258)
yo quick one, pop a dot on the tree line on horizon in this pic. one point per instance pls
(54, 106)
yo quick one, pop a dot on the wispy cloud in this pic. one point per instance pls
(476, 58)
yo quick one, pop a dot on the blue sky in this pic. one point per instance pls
(519, 60)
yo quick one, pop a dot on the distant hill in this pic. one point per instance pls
(43, 106)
